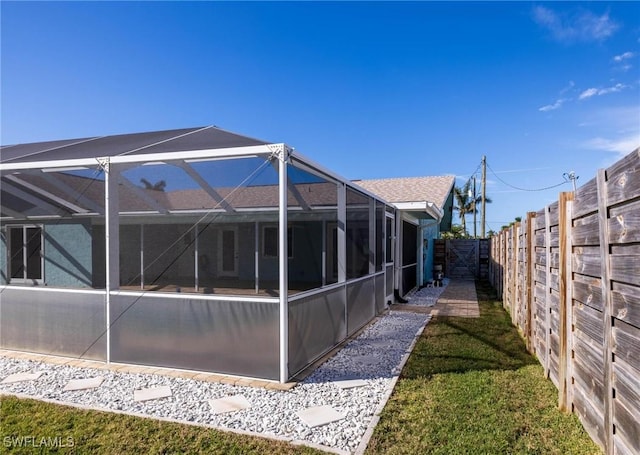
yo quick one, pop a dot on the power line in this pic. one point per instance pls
(525, 189)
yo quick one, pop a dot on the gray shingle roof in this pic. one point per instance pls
(411, 189)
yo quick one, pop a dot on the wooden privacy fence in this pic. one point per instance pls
(569, 275)
(466, 259)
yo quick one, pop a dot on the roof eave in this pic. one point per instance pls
(427, 207)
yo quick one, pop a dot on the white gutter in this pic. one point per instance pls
(423, 206)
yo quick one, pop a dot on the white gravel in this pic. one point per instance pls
(375, 356)
(426, 296)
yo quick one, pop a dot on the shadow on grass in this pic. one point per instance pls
(459, 345)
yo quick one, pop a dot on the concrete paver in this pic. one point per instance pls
(319, 415)
(350, 383)
(152, 393)
(83, 384)
(19, 377)
(459, 299)
(229, 404)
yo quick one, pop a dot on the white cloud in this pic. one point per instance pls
(622, 61)
(618, 130)
(552, 107)
(614, 89)
(588, 93)
(621, 57)
(621, 146)
(568, 87)
(581, 25)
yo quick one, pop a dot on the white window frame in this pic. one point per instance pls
(264, 242)
(24, 280)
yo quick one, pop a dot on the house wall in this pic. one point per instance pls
(67, 254)
(247, 252)
(430, 232)
(447, 213)
(178, 262)
(130, 255)
(409, 259)
(306, 263)
(168, 254)
(207, 250)
(98, 256)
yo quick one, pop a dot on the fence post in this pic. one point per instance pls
(514, 274)
(477, 258)
(566, 300)
(547, 291)
(505, 269)
(503, 263)
(500, 264)
(490, 264)
(605, 273)
(506, 303)
(529, 266)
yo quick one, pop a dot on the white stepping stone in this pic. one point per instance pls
(152, 393)
(381, 343)
(19, 377)
(229, 404)
(367, 360)
(319, 415)
(350, 384)
(83, 384)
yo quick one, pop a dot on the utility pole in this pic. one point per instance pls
(484, 193)
(474, 207)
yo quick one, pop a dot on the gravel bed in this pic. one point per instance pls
(375, 356)
(427, 296)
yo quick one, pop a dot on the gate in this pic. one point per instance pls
(463, 259)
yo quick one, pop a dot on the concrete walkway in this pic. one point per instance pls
(459, 299)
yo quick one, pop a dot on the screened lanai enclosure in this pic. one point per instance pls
(196, 249)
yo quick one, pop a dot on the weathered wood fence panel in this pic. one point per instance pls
(466, 259)
(569, 275)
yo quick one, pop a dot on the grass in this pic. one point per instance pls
(469, 387)
(93, 432)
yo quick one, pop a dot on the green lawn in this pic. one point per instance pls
(95, 432)
(469, 387)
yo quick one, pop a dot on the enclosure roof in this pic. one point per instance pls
(411, 189)
(186, 139)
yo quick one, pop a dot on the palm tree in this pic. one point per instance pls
(465, 203)
(475, 208)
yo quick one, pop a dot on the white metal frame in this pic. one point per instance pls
(283, 153)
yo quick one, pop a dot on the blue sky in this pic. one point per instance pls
(369, 90)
